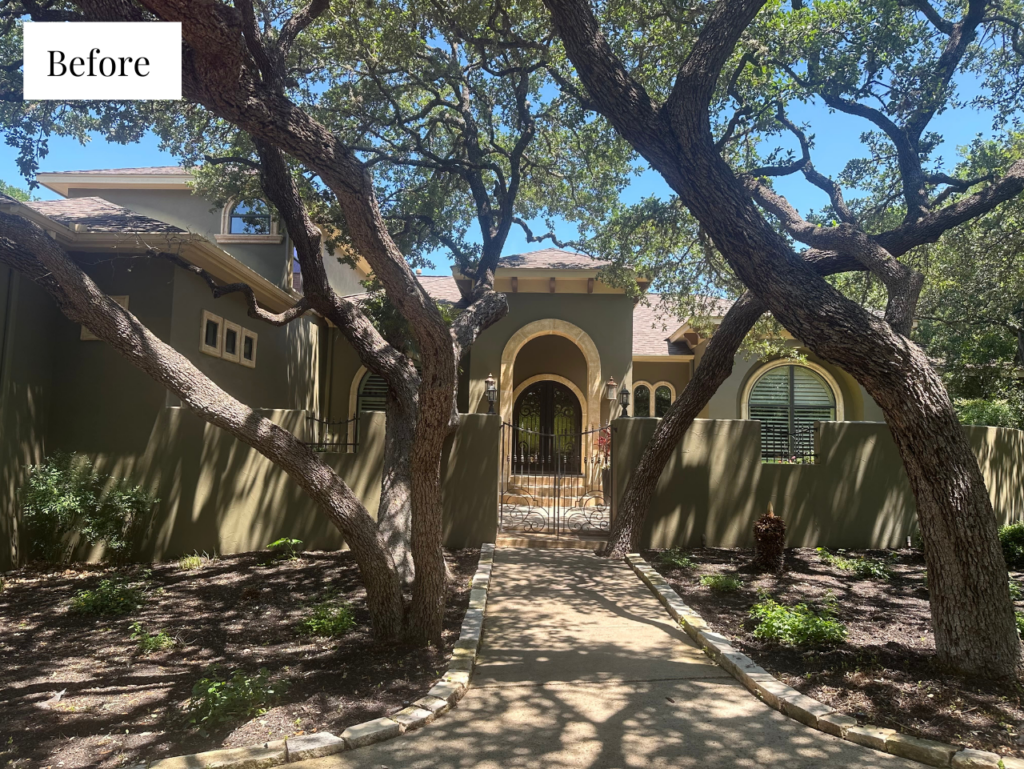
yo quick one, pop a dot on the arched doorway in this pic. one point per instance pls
(548, 420)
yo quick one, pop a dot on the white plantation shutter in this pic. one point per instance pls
(373, 393)
(788, 400)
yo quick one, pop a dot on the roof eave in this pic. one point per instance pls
(62, 183)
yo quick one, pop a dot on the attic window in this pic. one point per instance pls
(248, 221)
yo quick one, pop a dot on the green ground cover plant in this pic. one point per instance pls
(1016, 591)
(798, 625)
(720, 582)
(330, 618)
(677, 558)
(1019, 616)
(111, 598)
(868, 568)
(150, 642)
(218, 700)
(286, 548)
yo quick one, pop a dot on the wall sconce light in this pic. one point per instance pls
(491, 390)
(624, 401)
(610, 389)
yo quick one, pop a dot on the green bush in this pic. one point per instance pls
(217, 701)
(1016, 591)
(150, 642)
(1019, 616)
(798, 625)
(111, 598)
(720, 582)
(677, 558)
(286, 548)
(330, 619)
(65, 501)
(978, 411)
(1012, 539)
(868, 568)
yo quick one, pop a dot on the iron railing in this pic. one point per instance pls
(331, 436)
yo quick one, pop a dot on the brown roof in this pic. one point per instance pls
(99, 215)
(145, 171)
(441, 287)
(551, 259)
(654, 321)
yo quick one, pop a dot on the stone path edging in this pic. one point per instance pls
(800, 707)
(439, 700)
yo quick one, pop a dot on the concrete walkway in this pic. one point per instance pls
(580, 666)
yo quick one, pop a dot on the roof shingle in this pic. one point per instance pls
(99, 215)
(143, 171)
(551, 259)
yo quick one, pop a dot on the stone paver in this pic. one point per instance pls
(580, 666)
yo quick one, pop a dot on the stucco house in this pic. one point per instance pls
(559, 360)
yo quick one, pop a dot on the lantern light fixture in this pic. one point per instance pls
(610, 389)
(491, 390)
(624, 401)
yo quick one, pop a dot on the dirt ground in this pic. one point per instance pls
(885, 673)
(76, 692)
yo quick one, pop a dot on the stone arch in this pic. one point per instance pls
(576, 335)
(584, 408)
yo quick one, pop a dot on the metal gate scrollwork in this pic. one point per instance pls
(555, 483)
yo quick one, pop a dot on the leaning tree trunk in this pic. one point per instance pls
(715, 367)
(394, 516)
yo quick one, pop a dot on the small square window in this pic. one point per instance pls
(249, 340)
(232, 341)
(87, 335)
(211, 334)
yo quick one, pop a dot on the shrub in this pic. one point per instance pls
(150, 642)
(798, 625)
(1019, 616)
(868, 568)
(195, 561)
(1012, 539)
(330, 619)
(677, 558)
(217, 700)
(1016, 591)
(111, 598)
(286, 548)
(64, 496)
(978, 411)
(720, 582)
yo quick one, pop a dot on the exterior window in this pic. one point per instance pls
(249, 340)
(662, 401)
(211, 334)
(296, 273)
(373, 392)
(232, 341)
(641, 401)
(87, 335)
(250, 217)
(788, 400)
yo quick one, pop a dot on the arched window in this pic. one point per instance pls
(373, 393)
(250, 217)
(788, 400)
(662, 400)
(641, 401)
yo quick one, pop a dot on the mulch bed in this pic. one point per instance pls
(885, 673)
(76, 692)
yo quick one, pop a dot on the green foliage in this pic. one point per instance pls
(677, 558)
(979, 411)
(111, 598)
(14, 192)
(286, 548)
(868, 568)
(720, 582)
(150, 642)
(798, 625)
(1012, 539)
(64, 501)
(217, 701)
(1019, 616)
(329, 619)
(192, 562)
(1016, 591)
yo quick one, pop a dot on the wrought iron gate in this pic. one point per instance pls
(555, 483)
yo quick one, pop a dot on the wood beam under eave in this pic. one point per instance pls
(515, 285)
(551, 286)
(590, 285)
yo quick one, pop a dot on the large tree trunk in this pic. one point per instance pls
(394, 516)
(715, 367)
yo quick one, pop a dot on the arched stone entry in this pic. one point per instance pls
(590, 401)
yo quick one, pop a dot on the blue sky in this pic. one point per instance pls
(836, 140)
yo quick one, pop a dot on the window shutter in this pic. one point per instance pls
(373, 393)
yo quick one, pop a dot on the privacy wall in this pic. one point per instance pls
(857, 494)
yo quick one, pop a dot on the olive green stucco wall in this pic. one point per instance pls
(607, 318)
(677, 373)
(551, 355)
(856, 496)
